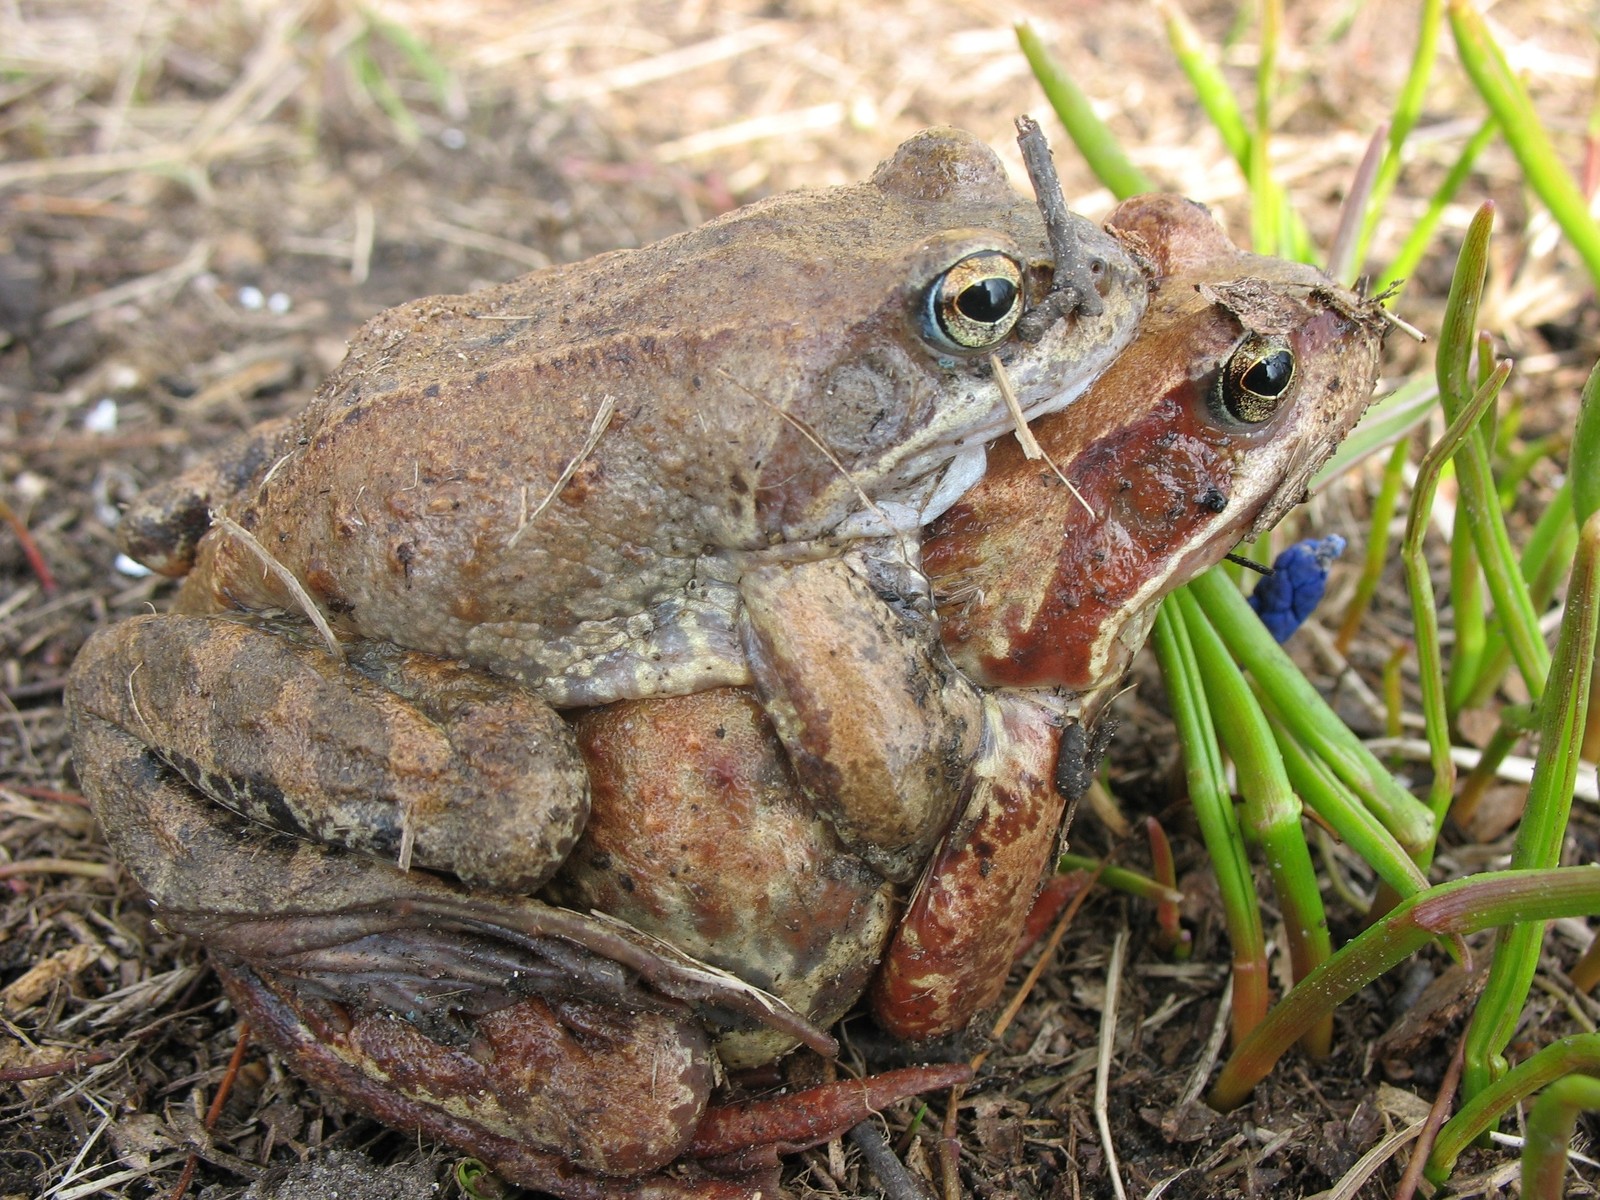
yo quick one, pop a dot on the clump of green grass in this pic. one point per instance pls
(1236, 696)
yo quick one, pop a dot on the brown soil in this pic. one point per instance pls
(198, 205)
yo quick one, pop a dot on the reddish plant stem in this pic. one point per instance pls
(30, 549)
(215, 1111)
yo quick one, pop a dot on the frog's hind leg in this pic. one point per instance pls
(399, 755)
(499, 1024)
(549, 1094)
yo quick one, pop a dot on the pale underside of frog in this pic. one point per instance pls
(521, 1030)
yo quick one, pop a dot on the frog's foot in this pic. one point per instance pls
(351, 926)
(431, 956)
(572, 1098)
(567, 1097)
(394, 754)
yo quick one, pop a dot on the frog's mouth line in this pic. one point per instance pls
(966, 460)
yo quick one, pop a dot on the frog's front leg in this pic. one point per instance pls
(373, 752)
(953, 948)
(877, 724)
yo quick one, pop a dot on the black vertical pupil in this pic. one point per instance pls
(1271, 374)
(988, 300)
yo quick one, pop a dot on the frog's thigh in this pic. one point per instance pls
(597, 1089)
(879, 728)
(482, 774)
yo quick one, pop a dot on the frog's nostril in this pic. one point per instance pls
(1100, 273)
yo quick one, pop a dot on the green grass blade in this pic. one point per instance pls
(1308, 716)
(1479, 499)
(1267, 232)
(1457, 908)
(1120, 879)
(1271, 808)
(1384, 506)
(1097, 144)
(1544, 822)
(1549, 1133)
(1468, 605)
(1205, 77)
(1213, 810)
(1407, 108)
(1424, 609)
(1421, 235)
(1546, 560)
(1503, 92)
(1216, 98)
(1581, 1052)
(1325, 795)
(1586, 450)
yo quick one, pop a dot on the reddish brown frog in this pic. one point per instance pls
(498, 1023)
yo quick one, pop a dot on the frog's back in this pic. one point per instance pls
(557, 469)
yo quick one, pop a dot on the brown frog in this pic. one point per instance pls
(560, 492)
(571, 482)
(510, 1038)
(1246, 373)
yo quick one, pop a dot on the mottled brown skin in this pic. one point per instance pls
(322, 947)
(779, 397)
(406, 497)
(701, 835)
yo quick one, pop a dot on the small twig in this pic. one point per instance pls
(43, 793)
(135, 289)
(30, 549)
(1102, 1077)
(1430, 1130)
(39, 687)
(597, 429)
(215, 1111)
(61, 1066)
(57, 866)
(1072, 289)
(1249, 564)
(1063, 923)
(1352, 214)
(1031, 450)
(1403, 325)
(1212, 1050)
(284, 576)
(891, 1174)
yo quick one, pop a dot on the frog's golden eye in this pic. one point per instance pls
(1255, 379)
(973, 305)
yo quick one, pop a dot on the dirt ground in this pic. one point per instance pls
(199, 203)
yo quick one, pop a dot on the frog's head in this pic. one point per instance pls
(1245, 375)
(898, 295)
